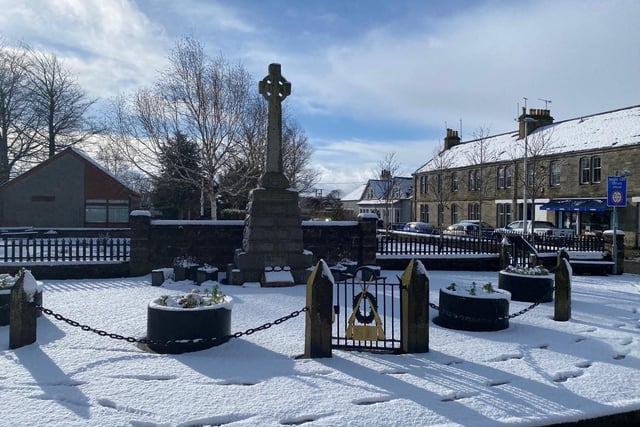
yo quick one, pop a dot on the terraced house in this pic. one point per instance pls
(564, 179)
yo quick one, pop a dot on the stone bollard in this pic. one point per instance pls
(415, 308)
(23, 312)
(318, 320)
(562, 307)
(505, 253)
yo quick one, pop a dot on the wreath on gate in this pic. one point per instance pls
(373, 302)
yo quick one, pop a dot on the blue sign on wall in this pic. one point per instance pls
(617, 191)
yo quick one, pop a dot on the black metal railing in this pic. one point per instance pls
(67, 249)
(400, 243)
(397, 243)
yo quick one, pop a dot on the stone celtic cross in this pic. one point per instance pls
(274, 88)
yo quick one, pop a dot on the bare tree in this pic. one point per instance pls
(17, 118)
(296, 155)
(214, 104)
(442, 185)
(201, 98)
(59, 103)
(480, 158)
(538, 164)
(388, 167)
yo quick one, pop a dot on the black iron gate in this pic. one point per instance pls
(367, 313)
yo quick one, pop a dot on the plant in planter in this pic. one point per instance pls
(473, 308)
(528, 284)
(189, 322)
(185, 268)
(6, 283)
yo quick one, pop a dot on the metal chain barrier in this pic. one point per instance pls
(480, 320)
(216, 340)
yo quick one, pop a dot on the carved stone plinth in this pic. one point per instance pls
(272, 237)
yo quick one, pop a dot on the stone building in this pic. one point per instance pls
(388, 197)
(568, 164)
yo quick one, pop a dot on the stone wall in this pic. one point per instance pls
(155, 243)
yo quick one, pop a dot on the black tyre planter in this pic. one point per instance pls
(527, 288)
(167, 326)
(5, 304)
(459, 310)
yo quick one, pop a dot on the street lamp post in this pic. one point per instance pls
(526, 176)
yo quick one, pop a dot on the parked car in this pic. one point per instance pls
(468, 228)
(540, 228)
(419, 227)
(487, 229)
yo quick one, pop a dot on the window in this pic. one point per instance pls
(590, 170)
(424, 184)
(440, 215)
(454, 181)
(101, 211)
(596, 169)
(439, 181)
(473, 211)
(454, 214)
(508, 177)
(371, 194)
(554, 172)
(500, 178)
(530, 176)
(503, 214)
(424, 213)
(474, 180)
(585, 170)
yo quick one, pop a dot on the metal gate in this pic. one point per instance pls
(367, 313)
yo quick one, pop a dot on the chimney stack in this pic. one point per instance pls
(452, 139)
(541, 117)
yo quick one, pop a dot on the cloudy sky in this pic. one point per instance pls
(369, 77)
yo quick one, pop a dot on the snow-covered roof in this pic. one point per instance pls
(604, 130)
(355, 194)
(379, 187)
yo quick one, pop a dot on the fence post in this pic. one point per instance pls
(562, 300)
(318, 319)
(415, 308)
(139, 255)
(368, 242)
(23, 311)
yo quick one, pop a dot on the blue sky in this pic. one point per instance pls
(369, 77)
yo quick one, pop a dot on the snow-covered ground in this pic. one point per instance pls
(536, 372)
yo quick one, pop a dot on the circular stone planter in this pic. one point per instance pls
(482, 312)
(5, 303)
(177, 330)
(527, 288)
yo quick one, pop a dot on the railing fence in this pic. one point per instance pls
(64, 249)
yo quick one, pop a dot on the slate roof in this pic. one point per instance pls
(603, 130)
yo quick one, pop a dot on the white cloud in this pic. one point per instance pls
(110, 45)
(477, 65)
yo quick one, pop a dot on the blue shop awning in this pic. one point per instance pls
(572, 205)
